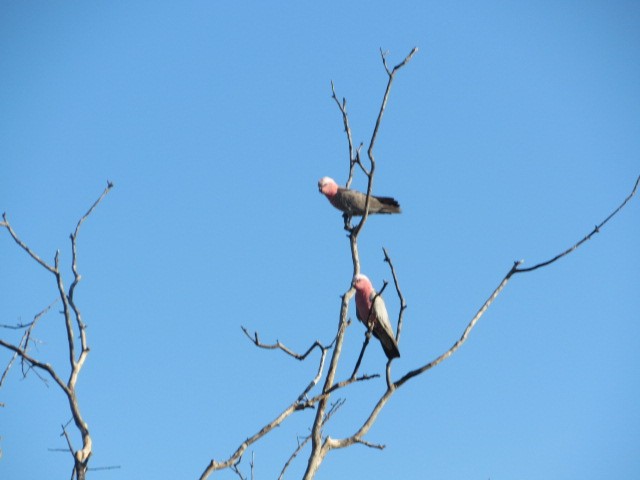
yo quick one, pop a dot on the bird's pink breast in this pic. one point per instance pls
(363, 305)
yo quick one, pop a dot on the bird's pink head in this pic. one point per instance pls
(327, 186)
(362, 284)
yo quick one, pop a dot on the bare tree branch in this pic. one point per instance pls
(316, 433)
(77, 277)
(465, 333)
(235, 456)
(391, 75)
(374, 135)
(345, 120)
(43, 366)
(315, 379)
(334, 408)
(284, 348)
(349, 381)
(235, 469)
(66, 436)
(299, 404)
(17, 326)
(110, 467)
(365, 343)
(403, 304)
(278, 345)
(369, 444)
(514, 270)
(69, 308)
(26, 337)
(294, 455)
(587, 237)
(22, 245)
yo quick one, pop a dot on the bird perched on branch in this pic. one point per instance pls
(371, 310)
(352, 202)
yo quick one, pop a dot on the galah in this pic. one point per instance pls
(352, 202)
(371, 310)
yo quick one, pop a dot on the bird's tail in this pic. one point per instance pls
(388, 205)
(389, 344)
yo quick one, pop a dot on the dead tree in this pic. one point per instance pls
(321, 442)
(75, 328)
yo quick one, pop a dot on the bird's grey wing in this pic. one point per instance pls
(382, 316)
(351, 201)
(383, 331)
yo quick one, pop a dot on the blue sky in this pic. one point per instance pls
(514, 130)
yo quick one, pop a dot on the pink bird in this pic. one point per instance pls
(352, 202)
(378, 319)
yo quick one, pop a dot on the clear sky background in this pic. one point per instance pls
(514, 130)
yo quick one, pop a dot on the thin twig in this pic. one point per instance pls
(465, 333)
(18, 326)
(24, 342)
(77, 277)
(66, 436)
(334, 408)
(403, 304)
(110, 467)
(256, 341)
(369, 444)
(514, 270)
(367, 337)
(299, 404)
(359, 162)
(588, 237)
(235, 469)
(350, 380)
(294, 455)
(315, 379)
(93, 207)
(43, 366)
(391, 74)
(345, 120)
(233, 459)
(22, 245)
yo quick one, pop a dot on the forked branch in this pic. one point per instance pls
(70, 312)
(301, 403)
(391, 74)
(24, 341)
(280, 346)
